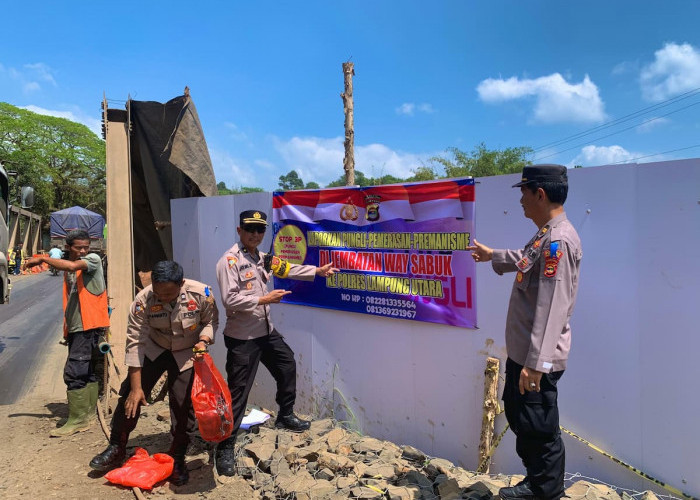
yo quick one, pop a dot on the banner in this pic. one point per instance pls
(400, 249)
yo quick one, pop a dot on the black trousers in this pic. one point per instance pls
(242, 360)
(83, 355)
(534, 418)
(179, 396)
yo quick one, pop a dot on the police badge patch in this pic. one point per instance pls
(522, 263)
(232, 261)
(551, 262)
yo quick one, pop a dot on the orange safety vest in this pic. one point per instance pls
(93, 308)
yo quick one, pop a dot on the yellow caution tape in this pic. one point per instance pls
(627, 466)
(494, 445)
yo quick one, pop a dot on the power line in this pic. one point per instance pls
(656, 154)
(622, 119)
(617, 132)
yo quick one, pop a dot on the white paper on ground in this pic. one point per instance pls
(255, 417)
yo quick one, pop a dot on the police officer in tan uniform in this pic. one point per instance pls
(243, 274)
(538, 335)
(167, 320)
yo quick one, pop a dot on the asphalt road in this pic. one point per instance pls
(30, 325)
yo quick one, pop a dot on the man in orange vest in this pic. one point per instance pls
(85, 318)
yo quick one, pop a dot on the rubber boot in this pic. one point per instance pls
(180, 473)
(78, 413)
(113, 456)
(224, 457)
(94, 392)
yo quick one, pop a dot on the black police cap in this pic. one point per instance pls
(543, 173)
(253, 217)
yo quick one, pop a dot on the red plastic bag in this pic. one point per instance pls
(142, 470)
(211, 401)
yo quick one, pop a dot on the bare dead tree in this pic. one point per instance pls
(349, 160)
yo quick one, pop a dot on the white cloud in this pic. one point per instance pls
(94, 124)
(30, 77)
(410, 108)
(556, 100)
(236, 133)
(603, 155)
(321, 160)
(30, 87)
(676, 69)
(625, 67)
(406, 108)
(234, 172)
(41, 72)
(651, 124)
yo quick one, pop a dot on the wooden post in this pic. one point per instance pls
(120, 260)
(490, 412)
(348, 108)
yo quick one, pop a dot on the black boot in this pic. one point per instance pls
(109, 459)
(225, 460)
(113, 456)
(521, 491)
(292, 423)
(180, 473)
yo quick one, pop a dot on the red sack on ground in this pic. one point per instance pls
(211, 401)
(142, 470)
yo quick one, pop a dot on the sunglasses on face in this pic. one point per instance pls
(254, 229)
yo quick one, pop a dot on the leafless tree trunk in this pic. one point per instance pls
(489, 414)
(349, 160)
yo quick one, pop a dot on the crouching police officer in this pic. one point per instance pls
(243, 274)
(167, 319)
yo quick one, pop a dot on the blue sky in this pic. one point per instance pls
(266, 77)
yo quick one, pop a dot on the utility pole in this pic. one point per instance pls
(349, 160)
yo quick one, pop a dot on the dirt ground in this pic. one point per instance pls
(33, 465)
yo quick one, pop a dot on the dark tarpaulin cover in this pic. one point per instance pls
(69, 219)
(169, 160)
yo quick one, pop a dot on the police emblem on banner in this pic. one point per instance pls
(349, 211)
(372, 203)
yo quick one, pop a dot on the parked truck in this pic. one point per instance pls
(4, 235)
(69, 219)
(26, 196)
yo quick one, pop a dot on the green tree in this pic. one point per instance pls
(423, 173)
(244, 189)
(312, 185)
(64, 161)
(291, 181)
(360, 180)
(483, 162)
(222, 189)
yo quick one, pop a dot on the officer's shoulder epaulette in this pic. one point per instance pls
(144, 294)
(198, 288)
